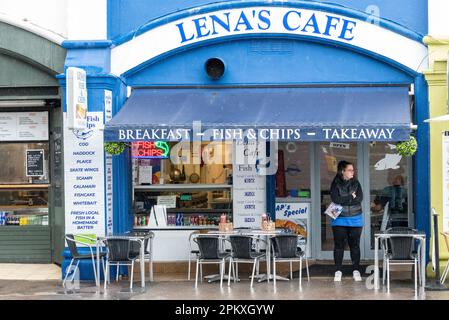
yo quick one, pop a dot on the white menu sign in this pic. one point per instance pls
(249, 188)
(445, 153)
(109, 188)
(84, 177)
(24, 126)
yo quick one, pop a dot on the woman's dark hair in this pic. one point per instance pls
(342, 165)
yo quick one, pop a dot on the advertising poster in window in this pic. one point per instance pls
(85, 178)
(295, 216)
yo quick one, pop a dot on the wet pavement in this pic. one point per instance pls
(178, 289)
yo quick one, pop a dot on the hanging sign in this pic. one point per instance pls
(76, 98)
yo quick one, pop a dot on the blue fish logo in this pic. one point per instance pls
(83, 134)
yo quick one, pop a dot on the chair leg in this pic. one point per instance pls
(132, 275)
(188, 268)
(416, 278)
(291, 270)
(150, 267)
(300, 274)
(104, 270)
(222, 270)
(307, 269)
(106, 277)
(201, 272)
(388, 276)
(196, 274)
(95, 270)
(118, 269)
(76, 268)
(236, 271)
(384, 271)
(258, 267)
(254, 269)
(67, 272)
(443, 277)
(274, 273)
(229, 274)
(233, 272)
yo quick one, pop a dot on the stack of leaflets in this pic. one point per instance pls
(333, 210)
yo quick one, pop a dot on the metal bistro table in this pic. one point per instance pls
(251, 232)
(419, 235)
(140, 238)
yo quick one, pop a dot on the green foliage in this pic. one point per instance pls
(407, 148)
(114, 148)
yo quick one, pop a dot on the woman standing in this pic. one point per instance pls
(347, 192)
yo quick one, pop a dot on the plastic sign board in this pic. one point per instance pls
(150, 150)
(76, 98)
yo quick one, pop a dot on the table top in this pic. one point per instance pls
(402, 233)
(253, 232)
(141, 236)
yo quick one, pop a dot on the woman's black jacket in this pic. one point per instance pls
(341, 193)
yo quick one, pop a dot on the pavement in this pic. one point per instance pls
(176, 287)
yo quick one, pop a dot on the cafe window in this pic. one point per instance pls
(153, 165)
(16, 158)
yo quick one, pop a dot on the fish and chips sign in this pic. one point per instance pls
(76, 99)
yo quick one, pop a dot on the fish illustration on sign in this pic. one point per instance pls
(391, 161)
(83, 134)
(392, 146)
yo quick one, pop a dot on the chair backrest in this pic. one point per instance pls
(135, 246)
(119, 249)
(241, 246)
(70, 238)
(208, 246)
(285, 245)
(401, 247)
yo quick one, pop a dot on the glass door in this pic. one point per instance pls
(390, 190)
(329, 156)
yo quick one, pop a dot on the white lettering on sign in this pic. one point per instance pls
(316, 24)
(359, 134)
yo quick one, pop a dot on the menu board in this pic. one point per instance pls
(24, 126)
(85, 177)
(35, 163)
(249, 187)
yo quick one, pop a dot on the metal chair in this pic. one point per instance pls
(148, 252)
(400, 250)
(72, 244)
(209, 247)
(289, 231)
(120, 253)
(285, 249)
(446, 269)
(194, 252)
(242, 252)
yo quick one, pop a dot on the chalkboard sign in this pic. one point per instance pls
(35, 163)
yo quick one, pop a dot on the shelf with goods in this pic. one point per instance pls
(186, 206)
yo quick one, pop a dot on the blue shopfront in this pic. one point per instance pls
(322, 81)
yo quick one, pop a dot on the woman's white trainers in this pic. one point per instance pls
(357, 276)
(337, 277)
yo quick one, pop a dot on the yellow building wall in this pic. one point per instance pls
(436, 77)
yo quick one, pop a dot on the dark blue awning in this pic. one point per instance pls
(308, 114)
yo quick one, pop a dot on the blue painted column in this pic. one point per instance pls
(422, 160)
(94, 58)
